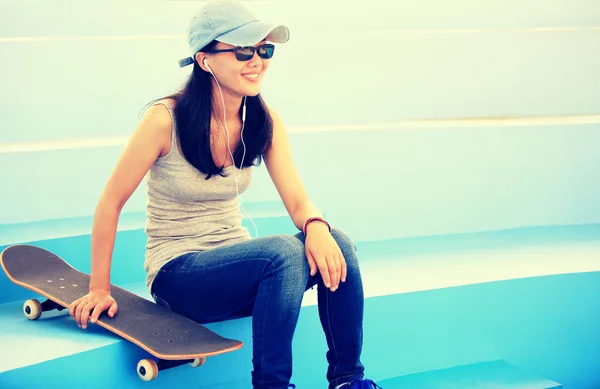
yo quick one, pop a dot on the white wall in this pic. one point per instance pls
(367, 67)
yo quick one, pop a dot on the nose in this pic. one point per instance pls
(255, 60)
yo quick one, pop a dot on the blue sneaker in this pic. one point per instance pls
(361, 384)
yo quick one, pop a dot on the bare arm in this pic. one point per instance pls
(322, 251)
(284, 174)
(149, 141)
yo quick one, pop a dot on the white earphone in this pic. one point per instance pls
(228, 145)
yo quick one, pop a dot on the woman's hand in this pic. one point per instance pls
(324, 254)
(96, 302)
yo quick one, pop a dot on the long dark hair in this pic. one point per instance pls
(193, 110)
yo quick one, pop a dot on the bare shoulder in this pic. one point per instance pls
(279, 142)
(279, 130)
(156, 126)
(274, 116)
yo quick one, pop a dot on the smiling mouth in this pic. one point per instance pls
(252, 76)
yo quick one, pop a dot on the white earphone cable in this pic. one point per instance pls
(229, 147)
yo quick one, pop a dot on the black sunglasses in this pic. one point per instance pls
(245, 53)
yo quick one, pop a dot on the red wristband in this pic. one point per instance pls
(313, 219)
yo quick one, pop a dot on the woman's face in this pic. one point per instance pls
(238, 78)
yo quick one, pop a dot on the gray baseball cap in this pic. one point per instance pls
(231, 22)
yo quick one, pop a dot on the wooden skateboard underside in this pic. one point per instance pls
(164, 334)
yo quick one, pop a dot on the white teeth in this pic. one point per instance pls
(255, 75)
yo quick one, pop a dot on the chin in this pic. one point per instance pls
(252, 92)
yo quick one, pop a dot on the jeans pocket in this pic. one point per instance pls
(161, 302)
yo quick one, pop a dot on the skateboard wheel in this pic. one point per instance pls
(147, 369)
(198, 362)
(32, 309)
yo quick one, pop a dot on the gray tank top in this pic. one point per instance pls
(187, 213)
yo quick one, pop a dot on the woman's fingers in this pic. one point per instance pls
(114, 308)
(85, 314)
(73, 306)
(324, 270)
(334, 271)
(312, 264)
(78, 312)
(331, 265)
(344, 268)
(90, 307)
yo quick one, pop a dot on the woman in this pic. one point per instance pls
(197, 148)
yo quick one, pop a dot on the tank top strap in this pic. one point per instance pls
(173, 125)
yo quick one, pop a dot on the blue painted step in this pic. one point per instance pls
(485, 375)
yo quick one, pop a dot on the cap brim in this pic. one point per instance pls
(252, 33)
(185, 62)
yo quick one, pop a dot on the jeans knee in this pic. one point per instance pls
(286, 252)
(288, 268)
(347, 246)
(343, 240)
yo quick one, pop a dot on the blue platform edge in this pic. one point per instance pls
(485, 375)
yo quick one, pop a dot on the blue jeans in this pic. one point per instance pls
(266, 278)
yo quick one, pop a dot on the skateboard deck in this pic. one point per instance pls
(168, 336)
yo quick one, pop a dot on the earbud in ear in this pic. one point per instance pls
(205, 64)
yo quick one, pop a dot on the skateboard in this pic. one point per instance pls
(171, 338)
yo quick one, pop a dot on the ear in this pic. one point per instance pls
(200, 57)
